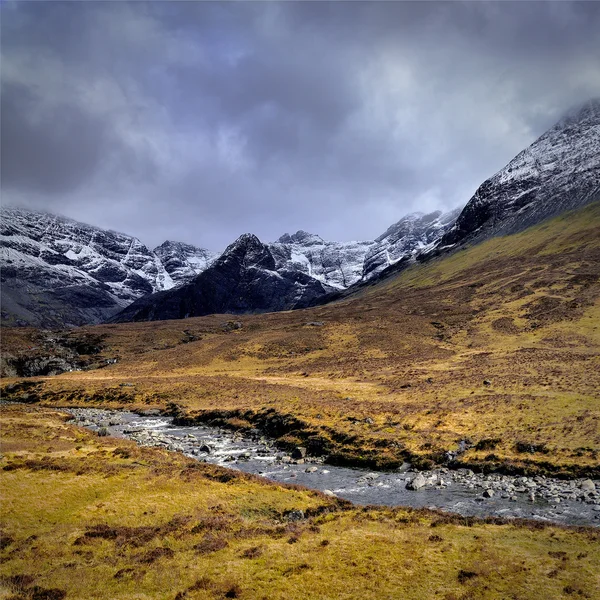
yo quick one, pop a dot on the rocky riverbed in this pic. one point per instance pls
(462, 491)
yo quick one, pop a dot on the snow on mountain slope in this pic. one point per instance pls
(411, 235)
(558, 172)
(184, 261)
(337, 264)
(244, 279)
(60, 270)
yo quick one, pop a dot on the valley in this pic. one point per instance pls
(496, 345)
(415, 416)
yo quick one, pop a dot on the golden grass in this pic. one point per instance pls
(102, 518)
(412, 353)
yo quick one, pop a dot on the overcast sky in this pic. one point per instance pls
(198, 121)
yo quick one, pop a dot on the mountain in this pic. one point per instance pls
(296, 271)
(558, 172)
(184, 261)
(336, 264)
(57, 272)
(244, 279)
(413, 234)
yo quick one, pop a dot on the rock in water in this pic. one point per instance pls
(587, 485)
(417, 482)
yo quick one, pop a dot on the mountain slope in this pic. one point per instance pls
(413, 234)
(336, 264)
(297, 271)
(559, 171)
(243, 279)
(184, 261)
(56, 271)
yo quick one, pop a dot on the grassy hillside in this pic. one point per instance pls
(498, 344)
(85, 517)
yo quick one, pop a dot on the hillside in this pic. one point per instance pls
(497, 344)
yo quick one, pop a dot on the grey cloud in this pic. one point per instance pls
(54, 159)
(201, 121)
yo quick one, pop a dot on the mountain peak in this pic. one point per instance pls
(558, 172)
(300, 237)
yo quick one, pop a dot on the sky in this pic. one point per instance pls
(201, 121)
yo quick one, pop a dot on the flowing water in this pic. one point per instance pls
(470, 494)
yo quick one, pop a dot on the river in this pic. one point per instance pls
(575, 502)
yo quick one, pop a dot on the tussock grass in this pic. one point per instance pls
(398, 370)
(85, 517)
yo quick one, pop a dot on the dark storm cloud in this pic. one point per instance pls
(201, 121)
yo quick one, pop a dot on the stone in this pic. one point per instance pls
(489, 493)
(299, 452)
(417, 482)
(487, 382)
(329, 493)
(587, 485)
(367, 477)
(294, 515)
(311, 470)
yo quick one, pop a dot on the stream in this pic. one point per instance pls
(572, 502)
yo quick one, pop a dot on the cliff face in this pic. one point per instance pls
(244, 279)
(558, 172)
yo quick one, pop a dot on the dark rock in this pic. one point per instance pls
(294, 516)
(242, 280)
(298, 453)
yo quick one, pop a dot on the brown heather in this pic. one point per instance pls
(498, 344)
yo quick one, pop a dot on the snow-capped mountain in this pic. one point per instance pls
(60, 272)
(244, 279)
(411, 235)
(56, 271)
(184, 261)
(558, 172)
(336, 264)
(295, 272)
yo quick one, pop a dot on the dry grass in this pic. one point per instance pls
(411, 354)
(85, 517)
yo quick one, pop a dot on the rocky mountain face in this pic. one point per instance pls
(58, 272)
(244, 279)
(336, 264)
(413, 234)
(558, 172)
(184, 261)
(294, 272)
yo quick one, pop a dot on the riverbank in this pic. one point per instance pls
(144, 522)
(457, 490)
